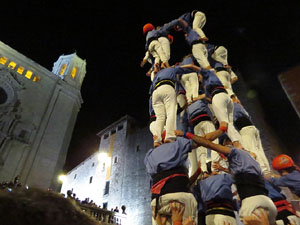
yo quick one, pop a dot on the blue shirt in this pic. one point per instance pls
(196, 108)
(165, 29)
(239, 111)
(210, 81)
(168, 156)
(187, 18)
(273, 191)
(187, 60)
(191, 35)
(216, 187)
(241, 161)
(169, 73)
(291, 180)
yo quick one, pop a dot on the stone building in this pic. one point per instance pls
(116, 175)
(38, 110)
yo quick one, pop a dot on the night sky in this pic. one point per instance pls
(262, 38)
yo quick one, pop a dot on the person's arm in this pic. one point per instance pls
(194, 177)
(218, 167)
(191, 66)
(201, 141)
(177, 210)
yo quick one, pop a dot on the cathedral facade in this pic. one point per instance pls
(38, 110)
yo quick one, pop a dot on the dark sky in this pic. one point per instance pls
(262, 38)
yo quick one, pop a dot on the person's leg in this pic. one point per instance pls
(198, 23)
(170, 104)
(199, 51)
(165, 44)
(250, 204)
(159, 109)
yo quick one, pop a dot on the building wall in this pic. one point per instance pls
(126, 144)
(38, 111)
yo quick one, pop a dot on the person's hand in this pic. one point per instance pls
(223, 124)
(258, 217)
(189, 221)
(160, 219)
(143, 63)
(205, 175)
(177, 210)
(179, 133)
(217, 166)
(204, 39)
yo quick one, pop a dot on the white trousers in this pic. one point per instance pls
(251, 141)
(218, 219)
(222, 107)
(221, 55)
(164, 103)
(225, 78)
(190, 83)
(200, 153)
(157, 52)
(199, 51)
(199, 22)
(187, 199)
(250, 204)
(165, 44)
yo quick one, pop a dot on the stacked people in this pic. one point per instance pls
(207, 164)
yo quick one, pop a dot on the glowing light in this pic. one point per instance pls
(104, 158)
(74, 70)
(20, 70)
(62, 177)
(3, 60)
(63, 69)
(12, 65)
(28, 74)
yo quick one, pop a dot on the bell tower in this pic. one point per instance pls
(71, 69)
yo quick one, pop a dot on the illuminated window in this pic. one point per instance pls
(28, 74)
(36, 79)
(12, 65)
(20, 70)
(3, 60)
(63, 69)
(73, 74)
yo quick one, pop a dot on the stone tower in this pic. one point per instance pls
(38, 110)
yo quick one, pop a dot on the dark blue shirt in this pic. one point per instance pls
(196, 108)
(210, 81)
(216, 187)
(241, 161)
(240, 111)
(291, 180)
(168, 156)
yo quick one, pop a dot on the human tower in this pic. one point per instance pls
(207, 164)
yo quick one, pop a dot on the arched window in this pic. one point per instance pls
(63, 69)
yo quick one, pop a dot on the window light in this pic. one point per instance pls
(20, 70)
(12, 65)
(28, 74)
(3, 60)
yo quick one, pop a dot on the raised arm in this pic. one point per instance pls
(191, 66)
(201, 141)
